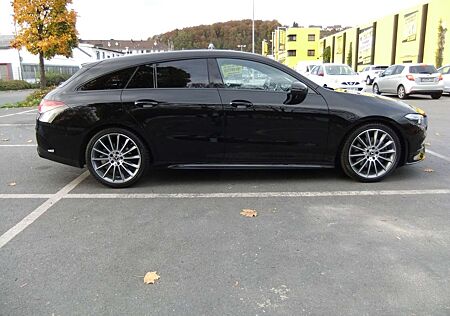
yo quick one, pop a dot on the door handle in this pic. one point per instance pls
(241, 104)
(146, 103)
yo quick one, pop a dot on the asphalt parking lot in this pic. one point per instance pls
(321, 244)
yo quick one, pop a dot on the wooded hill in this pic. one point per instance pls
(226, 35)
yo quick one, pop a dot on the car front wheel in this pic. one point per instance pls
(436, 96)
(116, 157)
(376, 89)
(371, 153)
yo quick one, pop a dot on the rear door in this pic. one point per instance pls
(259, 126)
(396, 79)
(384, 81)
(179, 111)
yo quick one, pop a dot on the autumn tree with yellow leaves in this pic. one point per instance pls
(45, 28)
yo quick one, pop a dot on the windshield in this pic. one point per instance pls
(380, 67)
(423, 69)
(338, 70)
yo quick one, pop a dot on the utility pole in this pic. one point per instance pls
(253, 28)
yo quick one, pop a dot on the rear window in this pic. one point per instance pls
(112, 81)
(423, 69)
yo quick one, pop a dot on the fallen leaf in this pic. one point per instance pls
(249, 213)
(151, 277)
(12, 184)
(429, 170)
(29, 141)
(5, 139)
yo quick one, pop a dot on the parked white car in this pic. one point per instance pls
(407, 79)
(336, 76)
(370, 73)
(445, 71)
(305, 67)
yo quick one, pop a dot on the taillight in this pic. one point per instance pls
(440, 77)
(410, 77)
(47, 105)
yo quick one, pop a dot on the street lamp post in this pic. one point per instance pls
(253, 28)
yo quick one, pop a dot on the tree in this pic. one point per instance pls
(350, 55)
(327, 54)
(295, 24)
(46, 28)
(441, 44)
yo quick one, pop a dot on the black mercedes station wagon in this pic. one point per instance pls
(220, 109)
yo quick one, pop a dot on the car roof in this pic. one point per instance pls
(179, 54)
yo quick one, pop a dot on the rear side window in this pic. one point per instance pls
(423, 69)
(398, 70)
(143, 78)
(183, 74)
(112, 81)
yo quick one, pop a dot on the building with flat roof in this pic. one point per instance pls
(291, 45)
(414, 35)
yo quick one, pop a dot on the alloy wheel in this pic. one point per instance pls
(372, 153)
(401, 92)
(116, 158)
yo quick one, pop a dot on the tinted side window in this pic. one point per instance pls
(115, 80)
(183, 74)
(143, 78)
(246, 74)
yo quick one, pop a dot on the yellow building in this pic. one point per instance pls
(409, 36)
(291, 45)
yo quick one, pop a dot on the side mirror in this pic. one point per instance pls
(382, 74)
(297, 94)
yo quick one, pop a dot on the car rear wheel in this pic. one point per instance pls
(368, 81)
(436, 96)
(401, 93)
(371, 153)
(376, 89)
(116, 157)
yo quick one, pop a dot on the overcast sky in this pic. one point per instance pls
(140, 19)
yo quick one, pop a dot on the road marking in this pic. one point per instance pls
(251, 194)
(30, 218)
(18, 113)
(23, 145)
(437, 155)
(25, 196)
(18, 125)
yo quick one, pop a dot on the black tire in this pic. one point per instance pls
(369, 81)
(141, 150)
(436, 96)
(376, 89)
(345, 159)
(401, 92)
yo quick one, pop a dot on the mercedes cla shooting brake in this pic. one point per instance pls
(220, 109)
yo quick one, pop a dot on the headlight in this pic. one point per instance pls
(415, 118)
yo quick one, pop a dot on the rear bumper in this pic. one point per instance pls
(59, 144)
(424, 89)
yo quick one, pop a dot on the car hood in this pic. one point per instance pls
(344, 78)
(373, 100)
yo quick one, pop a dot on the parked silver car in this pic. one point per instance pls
(445, 71)
(370, 73)
(407, 79)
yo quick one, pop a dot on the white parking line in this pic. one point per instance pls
(30, 218)
(18, 113)
(437, 155)
(16, 125)
(251, 194)
(25, 196)
(18, 145)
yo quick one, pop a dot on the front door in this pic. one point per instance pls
(259, 126)
(180, 113)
